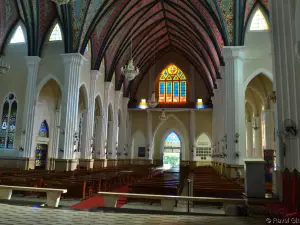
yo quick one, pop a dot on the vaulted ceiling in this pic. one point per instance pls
(195, 29)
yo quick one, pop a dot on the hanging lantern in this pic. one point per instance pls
(152, 102)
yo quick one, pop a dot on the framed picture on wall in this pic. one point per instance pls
(142, 152)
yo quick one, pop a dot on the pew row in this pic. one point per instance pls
(168, 202)
(53, 195)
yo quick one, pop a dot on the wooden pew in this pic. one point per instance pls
(208, 183)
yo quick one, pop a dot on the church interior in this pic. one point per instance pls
(149, 111)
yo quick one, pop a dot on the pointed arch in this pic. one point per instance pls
(88, 47)
(56, 34)
(203, 147)
(83, 95)
(18, 34)
(172, 85)
(258, 21)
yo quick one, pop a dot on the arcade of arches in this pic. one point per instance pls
(223, 86)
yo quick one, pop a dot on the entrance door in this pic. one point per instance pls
(41, 156)
(172, 149)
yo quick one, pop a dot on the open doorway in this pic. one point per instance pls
(171, 151)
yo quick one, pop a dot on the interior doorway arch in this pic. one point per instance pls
(171, 149)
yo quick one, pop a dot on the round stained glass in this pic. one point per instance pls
(11, 96)
(172, 69)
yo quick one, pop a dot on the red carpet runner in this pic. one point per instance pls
(99, 201)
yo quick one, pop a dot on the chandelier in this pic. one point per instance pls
(163, 116)
(4, 67)
(62, 2)
(152, 102)
(130, 71)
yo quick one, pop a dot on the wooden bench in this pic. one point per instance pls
(168, 201)
(53, 195)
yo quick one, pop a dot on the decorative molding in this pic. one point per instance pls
(233, 52)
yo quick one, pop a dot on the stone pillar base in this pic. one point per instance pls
(111, 162)
(51, 164)
(142, 161)
(100, 163)
(17, 163)
(66, 164)
(86, 163)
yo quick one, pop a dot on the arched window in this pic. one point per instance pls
(8, 122)
(88, 47)
(172, 85)
(18, 36)
(259, 22)
(56, 34)
(44, 132)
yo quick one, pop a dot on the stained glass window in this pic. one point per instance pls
(259, 22)
(8, 122)
(41, 156)
(18, 36)
(56, 34)
(43, 132)
(172, 85)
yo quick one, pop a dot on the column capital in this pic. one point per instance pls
(233, 52)
(108, 85)
(32, 60)
(118, 94)
(76, 58)
(126, 100)
(95, 75)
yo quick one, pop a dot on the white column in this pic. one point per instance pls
(29, 106)
(192, 133)
(83, 139)
(88, 136)
(122, 145)
(258, 138)
(286, 69)
(115, 138)
(249, 139)
(56, 134)
(98, 134)
(70, 97)
(125, 128)
(269, 128)
(149, 135)
(234, 104)
(107, 90)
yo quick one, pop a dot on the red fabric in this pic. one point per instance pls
(99, 200)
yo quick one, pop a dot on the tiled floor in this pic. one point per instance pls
(13, 215)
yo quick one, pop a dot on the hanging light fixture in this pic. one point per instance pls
(130, 71)
(4, 67)
(163, 116)
(152, 101)
(62, 2)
